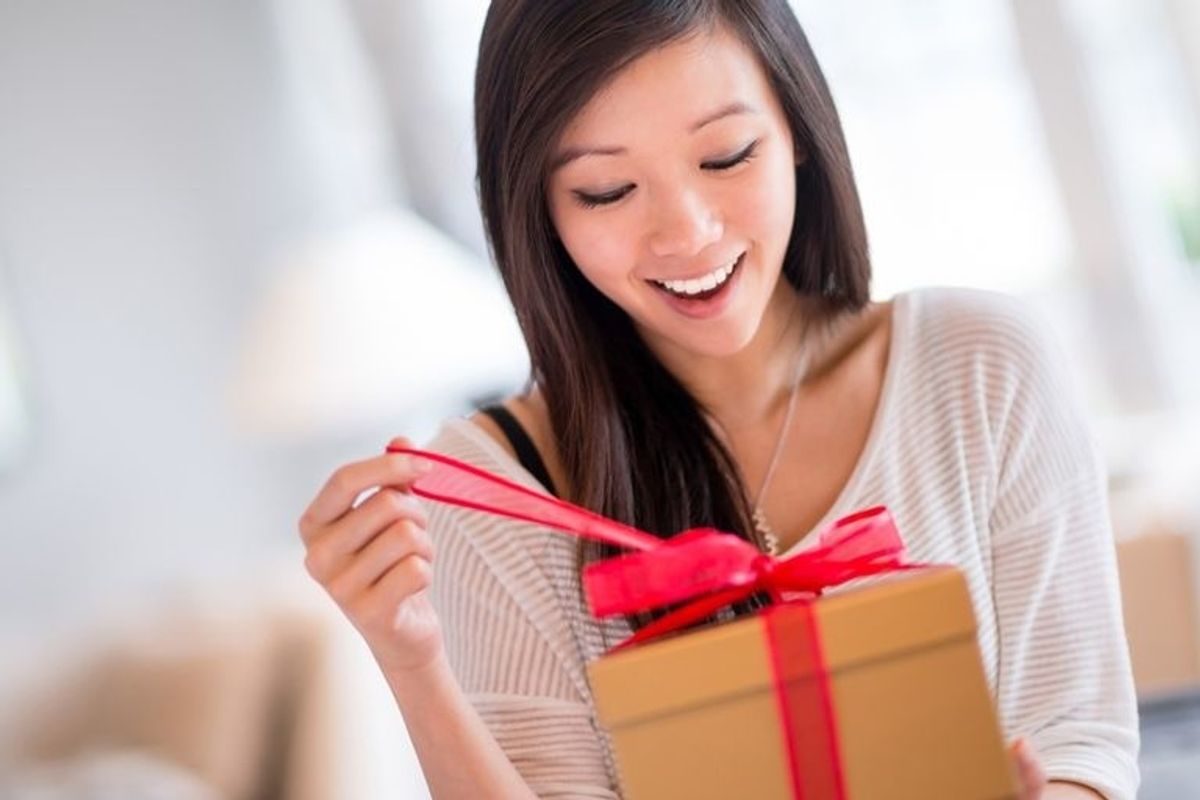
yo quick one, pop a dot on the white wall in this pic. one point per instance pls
(147, 165)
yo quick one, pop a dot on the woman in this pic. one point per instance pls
(670, 202)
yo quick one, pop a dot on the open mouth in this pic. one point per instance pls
(703, 288)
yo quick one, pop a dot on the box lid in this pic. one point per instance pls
(908, 611)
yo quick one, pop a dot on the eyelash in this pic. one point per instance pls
(592, 201)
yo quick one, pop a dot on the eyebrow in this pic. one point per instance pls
(573, 153)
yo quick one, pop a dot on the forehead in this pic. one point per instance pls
(674, 86)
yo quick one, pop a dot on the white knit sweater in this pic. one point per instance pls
(980, 449)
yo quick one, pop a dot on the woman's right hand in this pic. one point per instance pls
(375, 559)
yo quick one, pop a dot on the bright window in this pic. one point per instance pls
(945, 141)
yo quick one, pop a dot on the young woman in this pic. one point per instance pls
(670, 202)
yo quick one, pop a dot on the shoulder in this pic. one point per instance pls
(992, 342)
(983, 320)
(991, 364)
(489, 427)
(994, 363)
(504, 544)
(479, 436)
(482, 442)
(477, 441)
(531, 414)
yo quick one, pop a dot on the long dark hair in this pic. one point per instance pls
(633, 442)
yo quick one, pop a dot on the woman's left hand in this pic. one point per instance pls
(1031, 777)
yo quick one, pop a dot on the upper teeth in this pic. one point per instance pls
(702, 284)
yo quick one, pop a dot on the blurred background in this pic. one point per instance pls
(239, 246)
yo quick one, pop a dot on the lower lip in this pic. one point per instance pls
(706, 306)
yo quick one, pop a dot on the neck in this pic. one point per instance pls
(741, 389)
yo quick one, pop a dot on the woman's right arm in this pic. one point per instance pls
(458, 754)
(375, 561)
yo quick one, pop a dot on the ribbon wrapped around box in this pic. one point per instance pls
(870, 693)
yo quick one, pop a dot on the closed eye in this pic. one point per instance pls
(745, 155)
(593, 200)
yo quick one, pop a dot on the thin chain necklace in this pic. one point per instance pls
(769, 537)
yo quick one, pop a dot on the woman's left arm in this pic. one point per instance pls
(1064, 680)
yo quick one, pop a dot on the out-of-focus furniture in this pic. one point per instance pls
(1159, 595)
(266, 692)
(105, 775)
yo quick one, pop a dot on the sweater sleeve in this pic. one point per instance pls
(1064, 678)
(503, 652)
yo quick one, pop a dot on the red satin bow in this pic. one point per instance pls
(721, 569)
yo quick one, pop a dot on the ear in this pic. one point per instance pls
(801, 154)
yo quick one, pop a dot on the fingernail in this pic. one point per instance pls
(423, 466)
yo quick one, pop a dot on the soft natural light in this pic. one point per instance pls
(947, 151)
(1144, 103)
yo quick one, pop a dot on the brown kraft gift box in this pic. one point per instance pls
(696, 715)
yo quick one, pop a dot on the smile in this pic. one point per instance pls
(705, 285)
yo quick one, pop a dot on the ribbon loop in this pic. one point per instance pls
(693, 564)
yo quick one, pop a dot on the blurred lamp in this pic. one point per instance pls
(386, 320)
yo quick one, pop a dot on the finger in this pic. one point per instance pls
(397, 470)
(373, 515)
(1031, 776)
(404, 579)
(330, 552)
(401, 540)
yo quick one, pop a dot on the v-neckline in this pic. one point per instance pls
(899, 329)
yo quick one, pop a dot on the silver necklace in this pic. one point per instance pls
(769, 537)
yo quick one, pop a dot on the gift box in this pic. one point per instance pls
(885, 686)
(875, 691)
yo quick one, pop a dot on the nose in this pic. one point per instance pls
(684, 224)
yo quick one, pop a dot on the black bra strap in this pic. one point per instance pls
(527, 454)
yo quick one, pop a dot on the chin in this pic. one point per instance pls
(729, 340)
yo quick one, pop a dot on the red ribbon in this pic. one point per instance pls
(720, 569)
(710, 569)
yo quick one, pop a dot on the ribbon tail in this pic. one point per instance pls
(461, 484)
(804, 699)
(681, 618)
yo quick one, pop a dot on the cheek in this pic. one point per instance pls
(596, 243)
(765, 207)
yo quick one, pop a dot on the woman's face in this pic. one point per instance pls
(674, 190)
